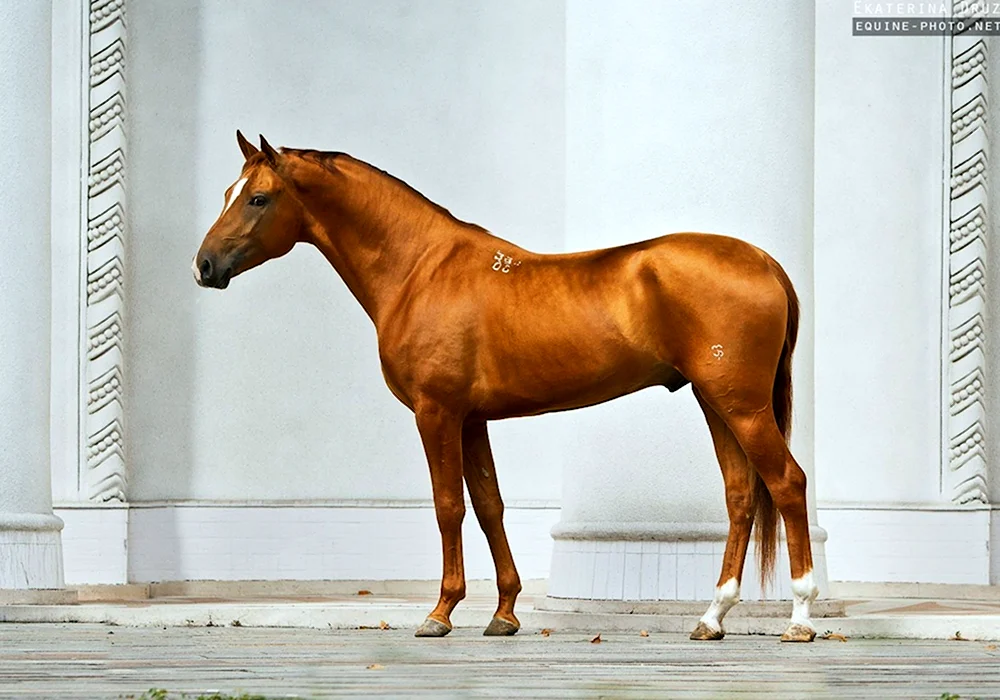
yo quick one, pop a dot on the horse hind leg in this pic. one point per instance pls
(739, 481)
(765, 447)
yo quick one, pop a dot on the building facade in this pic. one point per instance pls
(185, 434)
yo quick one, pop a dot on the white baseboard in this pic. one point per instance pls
(234, 542)
(907, 544)
(95, 544)
(384, 541)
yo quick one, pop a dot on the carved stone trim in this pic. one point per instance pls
(964, 471)
(104, 476)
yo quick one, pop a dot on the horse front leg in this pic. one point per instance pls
(441, 433)
(484, 491)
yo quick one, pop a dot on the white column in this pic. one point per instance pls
(30, 548)
(680, 118)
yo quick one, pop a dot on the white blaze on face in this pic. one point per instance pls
(195, 270)
(726, 596)
(804, 591)
(234, 193)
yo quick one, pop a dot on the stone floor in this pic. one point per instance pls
(873, 618)
(100, 661)
(327, 641)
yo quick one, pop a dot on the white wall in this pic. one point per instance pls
(502, 112)
(672, 130)
(878, 244)
(272, 389)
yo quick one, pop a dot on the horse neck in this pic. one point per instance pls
(371, 228)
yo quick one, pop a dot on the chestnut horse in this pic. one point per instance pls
(472, 328)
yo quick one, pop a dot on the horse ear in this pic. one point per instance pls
(248, 148)
(271, 154)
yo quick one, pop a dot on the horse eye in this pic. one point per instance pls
(258, 200)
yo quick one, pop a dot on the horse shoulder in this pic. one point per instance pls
(428, 340)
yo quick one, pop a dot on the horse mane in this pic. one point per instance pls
(328, 161)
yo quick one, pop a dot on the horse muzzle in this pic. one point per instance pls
(208, 272)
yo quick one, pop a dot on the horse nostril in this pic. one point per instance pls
(205, 268)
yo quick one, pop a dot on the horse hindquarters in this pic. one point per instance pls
(758, 414)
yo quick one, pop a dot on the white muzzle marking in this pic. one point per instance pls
(196, 271)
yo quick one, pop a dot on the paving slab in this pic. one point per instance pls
(99, 661)
(871, 619)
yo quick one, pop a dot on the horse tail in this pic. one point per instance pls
(765, 512)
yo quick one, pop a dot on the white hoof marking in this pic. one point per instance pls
(726, 596)
(804, 591)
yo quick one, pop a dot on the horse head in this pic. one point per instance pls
(261, 219)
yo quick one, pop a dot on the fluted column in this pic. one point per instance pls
(30, 547)
(680, 119)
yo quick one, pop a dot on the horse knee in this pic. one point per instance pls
(488, 511)
(450, 514)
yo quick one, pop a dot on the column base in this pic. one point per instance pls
(38, 596)
(686, 608)
(661, 561)
(30, 551)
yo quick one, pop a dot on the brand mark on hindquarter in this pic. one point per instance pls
(503, 263)
(717, 352)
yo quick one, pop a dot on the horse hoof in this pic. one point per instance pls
(432, 628)
(499, 627)
(798, 633)
(704, 633)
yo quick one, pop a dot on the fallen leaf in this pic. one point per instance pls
(596, 640)
(991, 647)
(236, 623)
(383, 625)
(833, 636)
(643, 633)
(364, 591)
(375, 667)
(546, 632)
(959, 638)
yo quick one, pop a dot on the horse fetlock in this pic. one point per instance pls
(726, 596)
(804, 592)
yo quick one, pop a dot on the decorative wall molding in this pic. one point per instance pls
(104, 476)
(963, 478)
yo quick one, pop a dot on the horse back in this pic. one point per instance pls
(509, 332)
